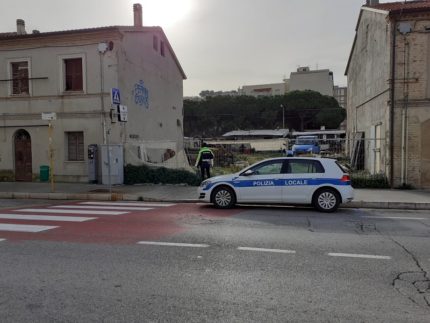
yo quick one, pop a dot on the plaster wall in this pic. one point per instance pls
(319, 80)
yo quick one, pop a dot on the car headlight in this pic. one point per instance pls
(205, 183)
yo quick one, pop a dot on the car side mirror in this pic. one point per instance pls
(249, 172)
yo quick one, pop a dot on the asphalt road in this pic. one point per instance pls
(192, 263)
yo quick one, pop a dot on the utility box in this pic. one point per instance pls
(93, 163)
(115, 158)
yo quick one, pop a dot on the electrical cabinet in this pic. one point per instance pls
(112, 157)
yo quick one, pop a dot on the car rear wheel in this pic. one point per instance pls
(326, 200)
(223, 197)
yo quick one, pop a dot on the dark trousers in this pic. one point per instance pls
(205, 167)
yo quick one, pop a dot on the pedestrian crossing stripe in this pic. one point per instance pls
(89, 212)
(2, 240)
(100, 207)
(25, 227)
(143, 204)
(44, 217)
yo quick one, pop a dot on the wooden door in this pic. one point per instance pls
(23, 164)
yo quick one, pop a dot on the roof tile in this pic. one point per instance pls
(405, 6)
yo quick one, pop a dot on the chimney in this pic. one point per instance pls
(372, 2)
(20, 27)
(137, 9)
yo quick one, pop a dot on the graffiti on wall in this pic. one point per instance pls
(141, 94)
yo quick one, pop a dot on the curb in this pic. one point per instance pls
(131, 197)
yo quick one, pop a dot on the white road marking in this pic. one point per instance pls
(91, 212)
(2, 240)
(391, 217)
(266, 250)
(123, 208)
(354, 255)
(44, 217)
(173, 244)
(144, 204)
(25, 227)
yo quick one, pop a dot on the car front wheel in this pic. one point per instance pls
(326, 200)
(223, 197)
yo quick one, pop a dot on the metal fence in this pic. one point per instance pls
(361, 155)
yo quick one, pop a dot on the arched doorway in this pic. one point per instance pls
(23, 165)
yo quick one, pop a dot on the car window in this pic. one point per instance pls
(270, 167)
(304, 166)
(343, 168)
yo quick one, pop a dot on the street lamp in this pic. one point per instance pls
(283, 116)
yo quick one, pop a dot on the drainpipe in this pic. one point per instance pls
(392, 104)
(404, 113)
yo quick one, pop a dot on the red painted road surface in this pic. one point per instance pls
(157, 223)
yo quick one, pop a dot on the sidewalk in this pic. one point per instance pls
(364, 198)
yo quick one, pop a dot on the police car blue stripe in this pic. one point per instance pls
(282, 182)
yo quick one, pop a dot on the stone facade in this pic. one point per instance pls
(390, 59)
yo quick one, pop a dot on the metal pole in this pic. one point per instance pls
(283, 116)
(108, 158)
(102, 98)
(51, 158)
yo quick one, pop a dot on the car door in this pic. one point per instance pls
(261, 183)
(301, 179)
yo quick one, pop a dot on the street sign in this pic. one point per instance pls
(122, 113)
(115, 96)
(49, 116)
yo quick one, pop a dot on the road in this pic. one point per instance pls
(140, 262)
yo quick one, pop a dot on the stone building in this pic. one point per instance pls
(388, 101)
(71, 73)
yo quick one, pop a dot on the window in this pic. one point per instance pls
(155, 43)
(304, 166)
(73, 74)
(75, 146)
(20, 75)
(271, 167)
(162, 48)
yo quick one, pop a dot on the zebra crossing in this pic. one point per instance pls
(68, 213)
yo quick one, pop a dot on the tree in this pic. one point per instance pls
(217, 115)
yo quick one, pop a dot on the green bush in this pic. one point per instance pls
(364, 180)
(157, 175)
(7, 175)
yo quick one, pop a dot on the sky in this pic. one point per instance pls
(220, 44)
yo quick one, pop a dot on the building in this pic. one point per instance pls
(71, 73)
(340, 93)
(303, 79)
(317, 80)
(263, 89)
(388, 91)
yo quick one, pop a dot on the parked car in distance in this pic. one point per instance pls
(305, 145)
(320, 182)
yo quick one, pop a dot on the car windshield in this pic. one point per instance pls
(305, 141)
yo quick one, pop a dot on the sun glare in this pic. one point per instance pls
(164, 13)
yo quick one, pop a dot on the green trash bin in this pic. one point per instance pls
(44, 173)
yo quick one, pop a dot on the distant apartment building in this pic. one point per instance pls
(318, 80)
(303, 79)
(340, 94)
(263, 89)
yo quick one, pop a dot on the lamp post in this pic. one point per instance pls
(283, 116)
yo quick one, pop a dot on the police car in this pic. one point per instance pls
(321, 182)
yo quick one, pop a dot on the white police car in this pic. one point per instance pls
(320, 182)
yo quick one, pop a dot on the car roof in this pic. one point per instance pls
(308, 158)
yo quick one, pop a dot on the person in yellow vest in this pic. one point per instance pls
(205, 160)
